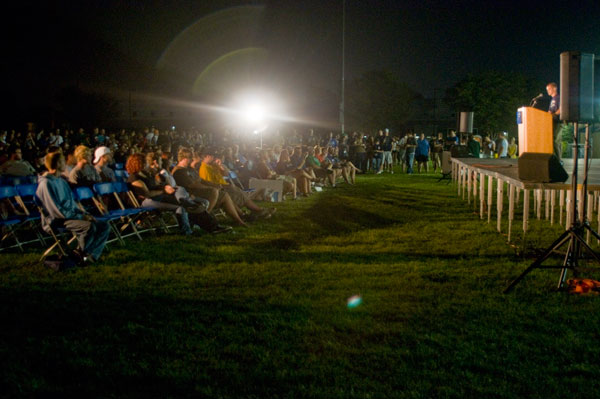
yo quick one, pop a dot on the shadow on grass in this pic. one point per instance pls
(143, 345)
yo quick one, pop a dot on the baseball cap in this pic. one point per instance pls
(100, 151)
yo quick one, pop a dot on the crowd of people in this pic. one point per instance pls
(193, 175)
(196, 174)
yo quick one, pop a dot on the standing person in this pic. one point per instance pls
(488, 147)
(473, 146)
(554, 110)
(370, 143)
(422, 153)
(451, 140)
(401, 146)
(386, 145)
(512, 148)
(411, 145)
(502, 145)
(378, 155)
(437, 147)
(57, 199)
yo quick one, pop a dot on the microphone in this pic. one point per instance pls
(538, 97)
(534, 99)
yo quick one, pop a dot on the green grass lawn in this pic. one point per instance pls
(263, 313)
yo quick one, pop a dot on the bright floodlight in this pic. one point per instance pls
(254, 113)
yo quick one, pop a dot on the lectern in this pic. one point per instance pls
(535, 130)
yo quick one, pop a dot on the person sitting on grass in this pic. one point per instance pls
(285, 166)
(347, 168)
(61, 210)
(320, 171)
(212, 172)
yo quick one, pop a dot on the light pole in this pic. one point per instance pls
(343, 63)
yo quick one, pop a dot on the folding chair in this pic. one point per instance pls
(112, 191)
(56, 230)
(26, 200)
(121, 175)
(82, 194)
(15, 217)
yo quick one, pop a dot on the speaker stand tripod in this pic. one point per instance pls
(573, 236)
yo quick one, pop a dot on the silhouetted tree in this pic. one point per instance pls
(494, 97)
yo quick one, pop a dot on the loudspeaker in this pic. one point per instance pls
(465, 123)
(460, 151)
(541, 168)
(576, 86)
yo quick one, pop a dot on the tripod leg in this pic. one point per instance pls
(569, 258)
(587, 247)
(587, 226)
(555, 245)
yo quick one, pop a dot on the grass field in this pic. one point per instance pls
(263, 313)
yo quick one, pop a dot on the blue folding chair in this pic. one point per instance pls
(111, 192)
(15, 217)
(56, 230)
(121, 175)
(85, 194)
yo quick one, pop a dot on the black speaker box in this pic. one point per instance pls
(536, 167)
(460, 151)
(576, 86)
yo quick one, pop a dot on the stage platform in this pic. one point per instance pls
(508, 170)
(480, 180)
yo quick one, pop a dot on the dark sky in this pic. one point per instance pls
(127, 44)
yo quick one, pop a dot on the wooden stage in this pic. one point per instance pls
(480, 180)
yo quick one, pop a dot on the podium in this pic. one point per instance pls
(535, 131)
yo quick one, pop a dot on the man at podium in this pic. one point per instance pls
(554, 109)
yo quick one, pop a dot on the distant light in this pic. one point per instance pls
(254, 113)
(354, 301)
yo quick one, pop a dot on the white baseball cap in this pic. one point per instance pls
(100, 151)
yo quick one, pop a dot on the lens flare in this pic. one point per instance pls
(354, 301)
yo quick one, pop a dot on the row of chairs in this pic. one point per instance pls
(113, 203)
(17, 180)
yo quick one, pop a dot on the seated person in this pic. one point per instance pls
(185, 176)
(162, 177)
(165, 199)
(320, 171)
(17, 166)
(348, 170)
(57, 199)
(212, 172)
(285, 166)
(264, 171)
(103, 158)
(83, 173)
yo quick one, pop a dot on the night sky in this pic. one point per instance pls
(287, 45)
